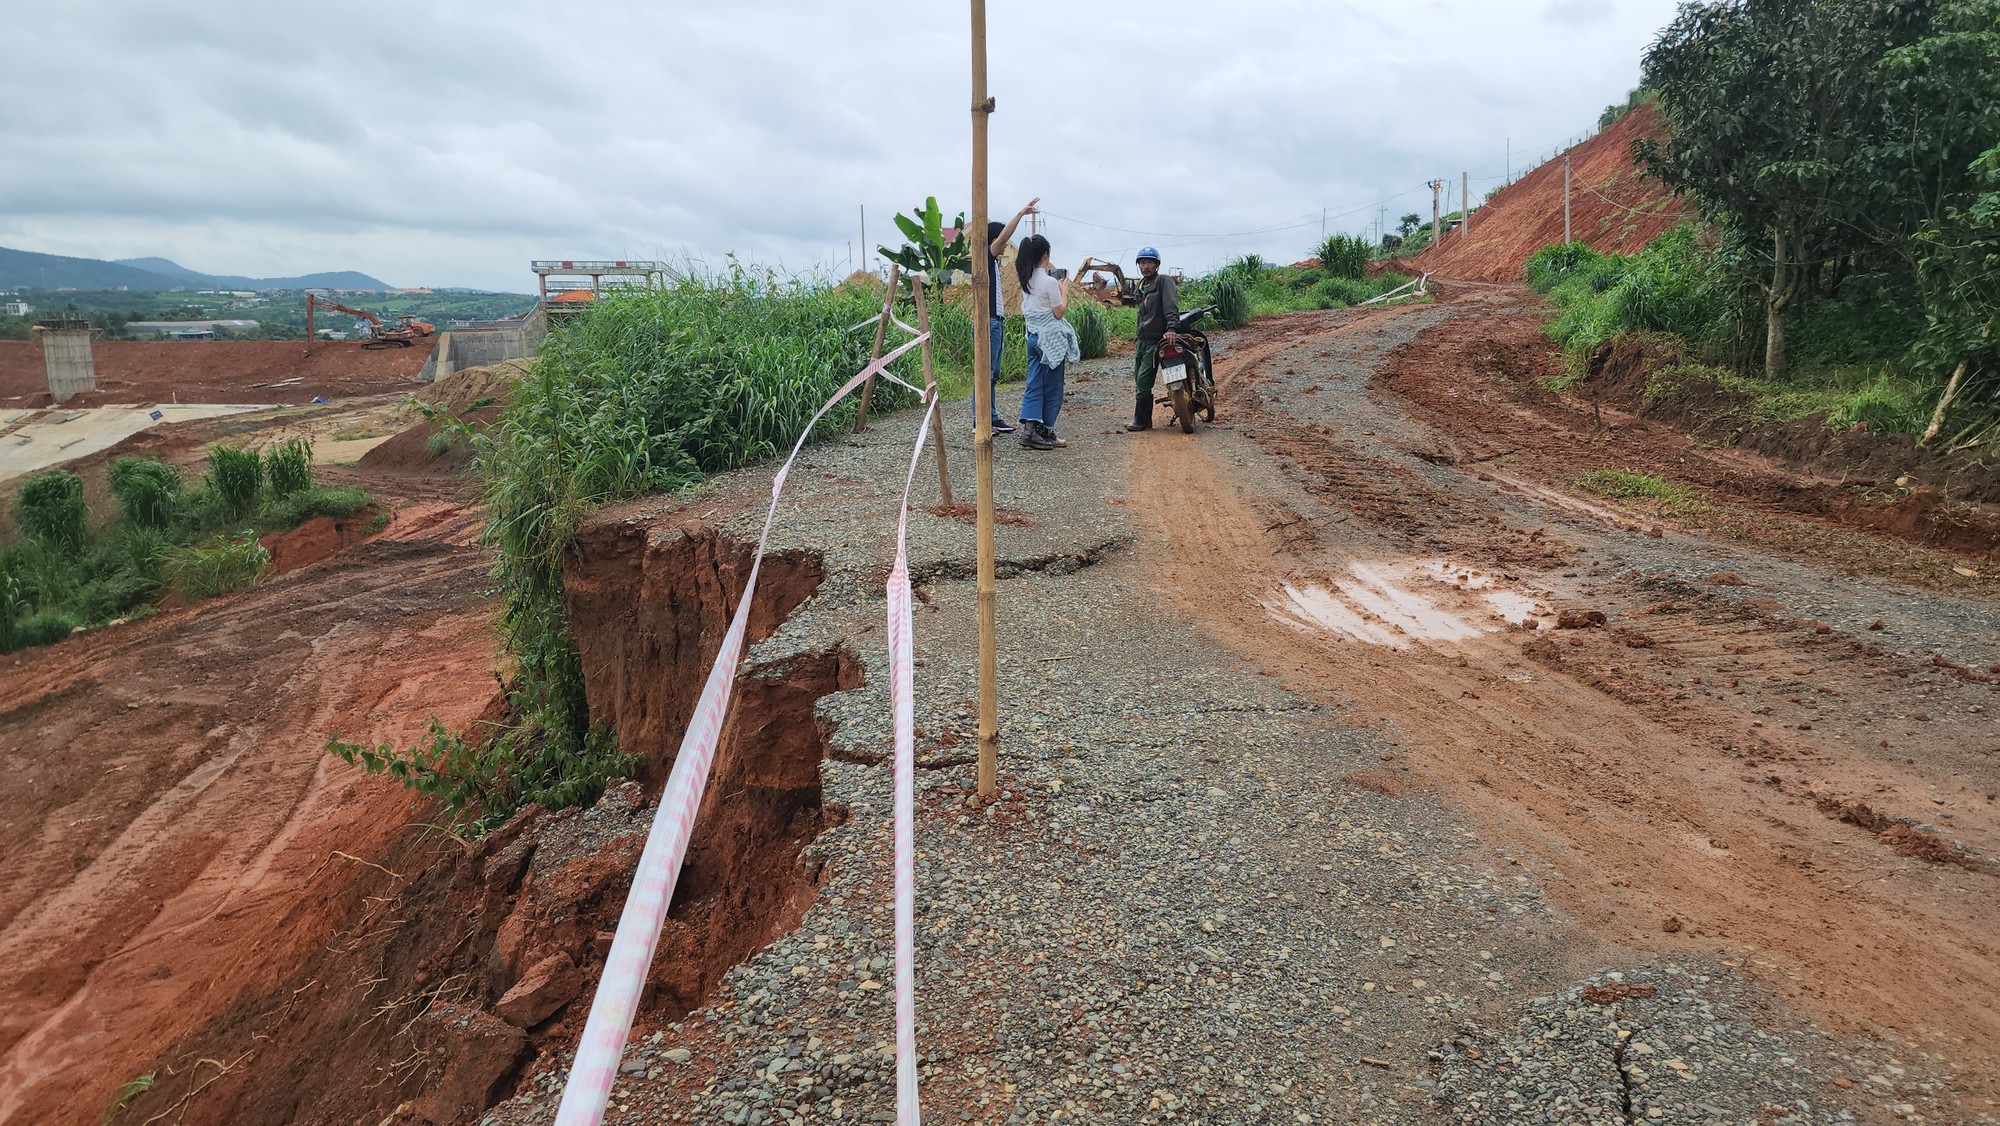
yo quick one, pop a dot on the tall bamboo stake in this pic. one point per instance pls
(881, 329)
(930, 385)
(982, 405)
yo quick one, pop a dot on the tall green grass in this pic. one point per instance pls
(1344, 256)
(288, 466)
(235, 479)
(1667, 287)
(1093, 328)
(58, 575)
(148, 490)
(50, 508)
(648, 391)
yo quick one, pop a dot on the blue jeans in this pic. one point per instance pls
(999, 334)
(1043, 399)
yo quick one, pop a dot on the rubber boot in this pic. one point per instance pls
(1142, 412)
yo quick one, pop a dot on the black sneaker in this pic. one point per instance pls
(1002, 426)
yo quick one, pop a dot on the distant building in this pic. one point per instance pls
(17, 308)
(188, 330)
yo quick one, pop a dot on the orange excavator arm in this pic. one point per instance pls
(315, 301)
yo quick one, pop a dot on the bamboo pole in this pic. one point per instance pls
(982, 405)
(930, 388)
(881, 329)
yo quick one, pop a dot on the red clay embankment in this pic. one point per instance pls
(215, 371)
(1612, 208)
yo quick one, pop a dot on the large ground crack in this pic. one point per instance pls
(1051, 563)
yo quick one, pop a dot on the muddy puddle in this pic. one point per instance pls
(1398, 604)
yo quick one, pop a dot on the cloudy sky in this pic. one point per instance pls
(449, 142)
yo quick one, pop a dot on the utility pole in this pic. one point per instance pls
(1567, 180)
(1381, 224)
(1464, 205)
(982, 407)
(1510, 162)
(864, 232)
(1322, 225)
(1437, 216)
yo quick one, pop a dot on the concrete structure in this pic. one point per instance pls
(66, 355)
(654, 273)
(17, 308)
(490, 344)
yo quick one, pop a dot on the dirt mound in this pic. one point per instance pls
(411, 451)
(215, 371)
(319, 539)
(471, 388)
(1611, 208)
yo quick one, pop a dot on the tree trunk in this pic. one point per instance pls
(1943, 404)
(1775, 301)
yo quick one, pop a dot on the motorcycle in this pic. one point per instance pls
(1187, 369)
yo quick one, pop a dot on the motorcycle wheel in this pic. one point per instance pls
(1183, 407)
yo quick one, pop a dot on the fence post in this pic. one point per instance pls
(930, 387)
(881, 328)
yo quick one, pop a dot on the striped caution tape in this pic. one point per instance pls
(631, 956)
(902, 675)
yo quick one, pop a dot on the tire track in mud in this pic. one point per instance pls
(1575, 746)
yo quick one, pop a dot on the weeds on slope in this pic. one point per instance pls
(647, 392)
(60, 575)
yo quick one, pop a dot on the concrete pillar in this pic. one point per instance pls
(67, 356)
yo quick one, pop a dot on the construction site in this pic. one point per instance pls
(1453, 728)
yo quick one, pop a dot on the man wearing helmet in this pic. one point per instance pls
(1159, 313)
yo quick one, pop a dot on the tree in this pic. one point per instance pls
(1960, 270)
(928, 250)
(1771, 104)
(1408, 224)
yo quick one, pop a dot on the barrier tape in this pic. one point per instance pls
(902, 676)
(631, 956)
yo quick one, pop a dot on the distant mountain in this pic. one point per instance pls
(334, 279)
(54, 271)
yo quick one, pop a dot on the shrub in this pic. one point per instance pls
(1551, 265)
(1344, 256)
(1093, 332)
(235, 479)
(482, 786)
(288, 465)
(439, 443)
(45, 628)
(148, 490)
(1887, 406)
(1338, 293)
(224, 564)
(1123, 322)
(316, 501)
(50, 508)
(1623, 484)
(1232, 300)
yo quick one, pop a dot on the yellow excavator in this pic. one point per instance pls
(407, 331)
(1091, 278)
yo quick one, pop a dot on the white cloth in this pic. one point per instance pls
(1053, 334)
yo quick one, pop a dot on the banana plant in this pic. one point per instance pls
(927, 250)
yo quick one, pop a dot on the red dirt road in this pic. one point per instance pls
(175, 833)
(1702, 773)
(215, 371)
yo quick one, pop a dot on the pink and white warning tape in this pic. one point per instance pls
(625, 969)
(902, 677)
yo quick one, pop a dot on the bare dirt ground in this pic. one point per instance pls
(215, 371)
(1611, 207)
(176, 834)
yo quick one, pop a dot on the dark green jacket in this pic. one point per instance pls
(1159, 307)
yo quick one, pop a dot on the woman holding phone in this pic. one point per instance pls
(1052, 344)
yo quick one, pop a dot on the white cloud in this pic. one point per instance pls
(448, 143)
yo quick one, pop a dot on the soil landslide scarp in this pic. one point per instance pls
(176, 833)
(1612, 208)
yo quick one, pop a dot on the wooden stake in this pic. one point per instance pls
(930, 391)
(982, 407)
(881, 328)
